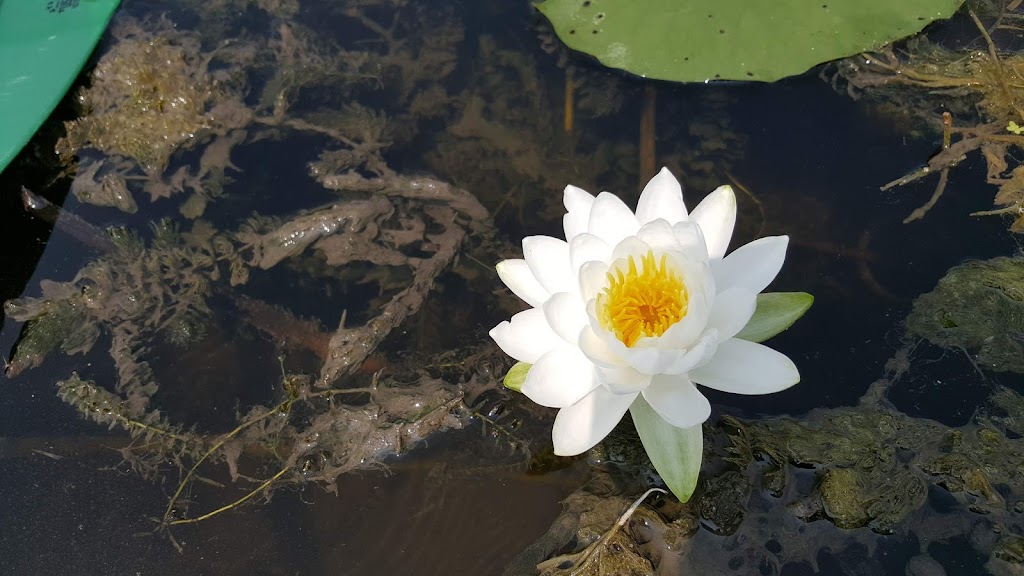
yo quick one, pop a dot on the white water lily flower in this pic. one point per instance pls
(640, 303)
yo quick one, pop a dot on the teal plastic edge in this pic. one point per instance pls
(43, 46)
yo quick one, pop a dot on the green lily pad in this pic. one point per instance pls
(699, 40)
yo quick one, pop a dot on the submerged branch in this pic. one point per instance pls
(920, 212)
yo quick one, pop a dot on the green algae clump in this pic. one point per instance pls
(977, 307)
(843, 498)
(150, 95)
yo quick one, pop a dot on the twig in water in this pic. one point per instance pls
(618, 525)
(939, 189)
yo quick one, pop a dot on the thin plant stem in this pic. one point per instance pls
(234, 504)
(618, 525)
(1000, 75)
(217, 446)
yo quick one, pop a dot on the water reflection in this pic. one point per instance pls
(334, 183)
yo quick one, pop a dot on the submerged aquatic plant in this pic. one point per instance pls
(981, 97)
(314, 427)
(632, 309)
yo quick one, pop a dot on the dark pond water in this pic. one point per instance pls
(486, 116)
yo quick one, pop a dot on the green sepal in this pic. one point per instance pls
(516, 376)
(675, 452)
(775, 312)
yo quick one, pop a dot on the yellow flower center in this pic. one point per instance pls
(642, 300)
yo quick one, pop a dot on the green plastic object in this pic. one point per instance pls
(43, 46)
(701, 40)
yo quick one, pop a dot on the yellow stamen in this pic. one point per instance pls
(642, 301)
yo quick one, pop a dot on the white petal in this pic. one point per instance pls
(716, 215)
(630, 246)
(752, 265)
(708, 286)
(703, 351)
(624, 380)
(691, 240)
(592, 279)
(567, 315)
(580, 426)
(678, 401)
(521, 281)
(597, 350)
(548, 259)
(611, 219)
(587, 247)
(654, 361)
(732, 310)
(659, 236)
(743, 367)
(561, 378)
(577, 199)
(684, 333)
(661, 198)
(527, 337)
(618, 349)
(577, 203)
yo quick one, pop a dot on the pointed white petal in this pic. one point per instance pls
(611, 219)
(716, 215)
(743, 367)
(732, 310)
(593, 278)
(752, 265)
(561, 378)
(580, 426)
(548, 259)
(678, 401)
(567, 315)
(597, 350)
(659, 236)
(691, 240)
(661, 198)
(521, 281)
(587, 247)
(527, 337)
(624, 380)
(577, 199)
(577, 203)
